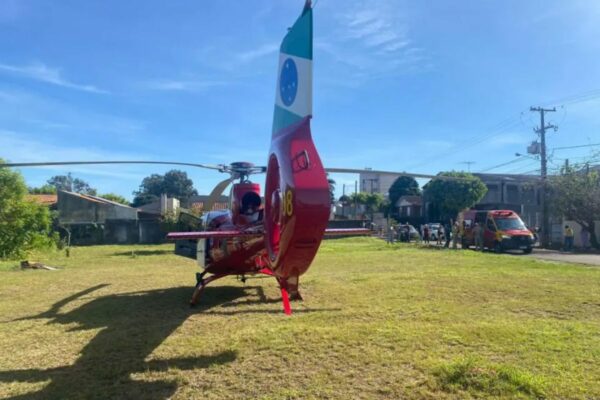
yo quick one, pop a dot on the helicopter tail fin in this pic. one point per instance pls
(293, 97)
(297, 201)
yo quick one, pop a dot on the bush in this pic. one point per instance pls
(24, 225)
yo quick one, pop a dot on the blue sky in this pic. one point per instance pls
(398, 85)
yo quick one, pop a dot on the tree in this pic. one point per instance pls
(372, 201)
(81, 186)
(575, 195)
(115, 197)
(359, 198)
(24, 225)
(450, 196)
(174, 183)
(70, 184)
(403, 186)
(345, 199)
(44, 189)
(62, 182)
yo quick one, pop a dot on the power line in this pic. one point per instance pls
(573, 158)
(575, 147)
(501, 127)
(521, 168)
(503, 164)
(509, 123)
(576, 98)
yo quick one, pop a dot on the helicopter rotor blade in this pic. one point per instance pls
(44, 164)
(217, 192)
(367, 171)
(395, 173)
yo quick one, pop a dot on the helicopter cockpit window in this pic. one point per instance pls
(251, 206)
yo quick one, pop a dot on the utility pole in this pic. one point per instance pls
(544, 170)
(355, 198)
(468, 164)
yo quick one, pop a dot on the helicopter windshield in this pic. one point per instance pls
(250, 203)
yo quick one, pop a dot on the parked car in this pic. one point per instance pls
(404, 229)
(503, 230)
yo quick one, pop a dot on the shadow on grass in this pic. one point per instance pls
(132, 326)
(294, 311)
(143, 253)
(209, 297)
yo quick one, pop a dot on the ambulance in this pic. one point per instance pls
(502, 230)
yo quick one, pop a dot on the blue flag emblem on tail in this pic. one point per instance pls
(288, 84)
(293, 97)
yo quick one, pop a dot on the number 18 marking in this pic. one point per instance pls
(288, 205)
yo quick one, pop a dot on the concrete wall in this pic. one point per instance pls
(151, 232)
(120, 232)
(77, 209)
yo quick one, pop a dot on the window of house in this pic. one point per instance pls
(492, 193)
(528, 194)
(512, 194)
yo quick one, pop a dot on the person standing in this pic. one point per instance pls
(462, 231)
(477, 236)
(569, 235)
(481, 235)
(391, 234)
(448, 233)
(455, 234)
(440, 234)
(426, 234)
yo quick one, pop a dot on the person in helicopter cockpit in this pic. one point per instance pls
(251, 207)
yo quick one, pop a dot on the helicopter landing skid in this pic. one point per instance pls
(283, 285)
(201, 285)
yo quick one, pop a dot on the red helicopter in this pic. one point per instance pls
(280, 237)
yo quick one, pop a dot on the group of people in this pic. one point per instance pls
(452, 231)
(401, 232)
(458, 232)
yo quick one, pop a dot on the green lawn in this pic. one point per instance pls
(378, 321)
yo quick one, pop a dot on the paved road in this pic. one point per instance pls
(553, 255)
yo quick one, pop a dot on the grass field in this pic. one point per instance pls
(378, 321)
